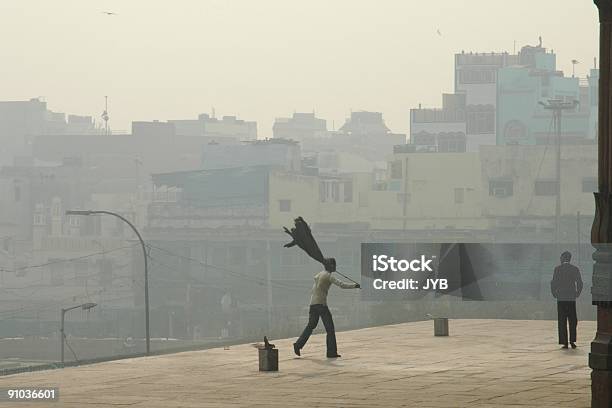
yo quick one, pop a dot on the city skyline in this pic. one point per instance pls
(146, 58)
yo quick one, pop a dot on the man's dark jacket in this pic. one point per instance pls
(566, 284)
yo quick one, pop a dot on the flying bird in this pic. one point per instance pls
(109, 13)
(439, 32)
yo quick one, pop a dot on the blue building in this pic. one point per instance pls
(523, 88)
(496, 101)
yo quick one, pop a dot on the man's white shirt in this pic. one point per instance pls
(322, 281)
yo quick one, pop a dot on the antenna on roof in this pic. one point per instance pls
(105, 116)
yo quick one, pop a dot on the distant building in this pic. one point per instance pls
(496, 100)
(213, 128)
(302, 127)
(37, 231)
(277, 153)
(365, 124)
(440, 130)
(334, 162)
(153, 129)
(366, 134)
(521, 89)
(22, 121)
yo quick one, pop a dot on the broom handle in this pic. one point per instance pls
(341, 274)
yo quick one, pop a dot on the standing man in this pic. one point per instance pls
(318, 308)
(566, 287)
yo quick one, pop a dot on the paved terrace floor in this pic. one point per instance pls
(484, 363)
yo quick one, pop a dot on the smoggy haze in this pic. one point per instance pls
(262, 59)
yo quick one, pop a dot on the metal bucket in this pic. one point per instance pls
(440, 326)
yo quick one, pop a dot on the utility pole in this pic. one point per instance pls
(405, 196)
(557, 106)
(578, 237)
(269, 283)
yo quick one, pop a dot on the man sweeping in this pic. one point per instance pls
(302, 236)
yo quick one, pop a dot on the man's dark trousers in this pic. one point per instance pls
(315, 312)
(566, 312)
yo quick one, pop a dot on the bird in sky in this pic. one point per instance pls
(109, 13)
(439, 32)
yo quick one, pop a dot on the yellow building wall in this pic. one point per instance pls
(526, 164)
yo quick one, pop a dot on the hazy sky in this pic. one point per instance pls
(261, 59)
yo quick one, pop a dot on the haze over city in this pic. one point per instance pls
(267, 58)
(271, 203)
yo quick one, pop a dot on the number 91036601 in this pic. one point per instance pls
(29, 394)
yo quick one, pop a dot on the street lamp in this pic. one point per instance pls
(84, 306)
(557, 106)
(144, 253)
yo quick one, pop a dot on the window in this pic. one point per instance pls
(56, 210)
(452, 143)
(74, 221)
(481, 120)
(459, 195)
(336, 191)
(545, 187)
(348, 191)
(284, 205)
(476, 76)
(39, 219)
(396, 169)
(424, 139)
(589, 184)
(501, 188)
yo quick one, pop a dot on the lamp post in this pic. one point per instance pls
(84, 306)
(144, 253)
(557, 106)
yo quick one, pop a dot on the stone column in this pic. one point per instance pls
(600, 358)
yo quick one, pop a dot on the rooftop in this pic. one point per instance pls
(484, 363)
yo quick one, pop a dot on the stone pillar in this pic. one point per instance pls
(600, 358)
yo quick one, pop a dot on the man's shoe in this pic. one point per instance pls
(296, 349)
(573, 345)
(564, 346)
(334, 356)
